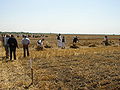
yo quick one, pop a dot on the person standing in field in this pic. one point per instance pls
(25, 43)
(63, 42)
(59, 41)
(106, 41)
(6, 45)
(12, 45)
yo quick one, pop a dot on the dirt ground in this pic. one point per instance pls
(85, 68)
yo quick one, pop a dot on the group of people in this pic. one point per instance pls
(61, 41)
(10, 43)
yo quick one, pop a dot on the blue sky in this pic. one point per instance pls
(60, 16)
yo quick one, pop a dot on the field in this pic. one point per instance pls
(84, 68)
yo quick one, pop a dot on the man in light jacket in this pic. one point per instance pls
(59, 40)
(25, 42)
(6, 45)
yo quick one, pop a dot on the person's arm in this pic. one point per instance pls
(29, 41)
(16, 43)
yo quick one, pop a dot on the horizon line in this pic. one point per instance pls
(62, 33)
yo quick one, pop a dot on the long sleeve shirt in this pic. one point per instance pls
(12, 42)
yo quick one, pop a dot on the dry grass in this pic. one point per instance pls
(93, 68)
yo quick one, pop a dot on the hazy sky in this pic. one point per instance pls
(60, 16)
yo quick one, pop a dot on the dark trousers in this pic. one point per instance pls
(13, 51)
(7, 51)
(25, 48)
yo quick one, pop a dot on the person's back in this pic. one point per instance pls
(12, 42)
(75, 39)
(59, 37)
(25, 41)
(12, 45)
(40, 42)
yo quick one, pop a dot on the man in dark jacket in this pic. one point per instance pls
(12, 44)
(75, 40)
